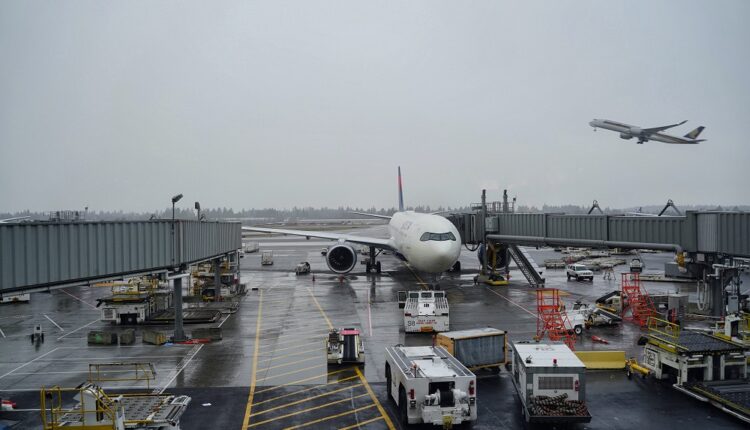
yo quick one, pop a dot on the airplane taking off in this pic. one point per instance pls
(430, 243)
(628, 131)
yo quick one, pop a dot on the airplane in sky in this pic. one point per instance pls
(428, 242)
(628, 131)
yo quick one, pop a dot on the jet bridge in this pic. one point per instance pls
(37, 256)
(708, 244)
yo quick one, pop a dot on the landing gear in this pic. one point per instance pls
(456, 267)
(372, 264)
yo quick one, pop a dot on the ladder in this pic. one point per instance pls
(550, 319)
(527, 266)
(639, 307)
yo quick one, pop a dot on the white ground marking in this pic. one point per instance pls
(29, 362)
(56, 325)
(71, 332)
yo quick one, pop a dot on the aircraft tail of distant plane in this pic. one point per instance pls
(400, 192)
(695, 133)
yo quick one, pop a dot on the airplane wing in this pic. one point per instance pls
(18, 218)
(369, 241)
(658, 129)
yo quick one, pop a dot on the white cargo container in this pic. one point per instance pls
(425, 311)
(551, 383)
(250, 247)
(430, 386)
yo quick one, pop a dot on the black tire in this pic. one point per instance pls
(457, 266)
(368, 268)
(578, 330)
(378, 268)
(578, 279)
(42, 337)
(402, 407)
(568, 276)
(388, 381)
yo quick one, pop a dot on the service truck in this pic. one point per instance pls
(430, 386)
(550, 381)
(266, 258)
(424, 311)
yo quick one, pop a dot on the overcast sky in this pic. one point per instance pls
(120, 105)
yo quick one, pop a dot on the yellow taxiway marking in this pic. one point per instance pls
(375, 399)
(246, 420)
(302, 380)
(296, 371)
(288, 340)
(294, 354)
(330, 326)
(319, 420)
(308, 389)
(293, 362)
(421, 283)
(306, 399)
(291, 414)
(356, 369)
(361, 423)
(297, 345)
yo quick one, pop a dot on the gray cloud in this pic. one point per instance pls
(239, 104)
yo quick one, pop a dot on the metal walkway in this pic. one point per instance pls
(726, 233)
(36, 256)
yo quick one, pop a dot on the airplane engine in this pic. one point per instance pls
(341, 258)
(626, 136)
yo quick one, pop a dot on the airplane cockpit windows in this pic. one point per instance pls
(438, 237)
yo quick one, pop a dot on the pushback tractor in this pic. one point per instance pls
(430, 386)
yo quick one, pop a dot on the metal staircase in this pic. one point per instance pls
(550, 318)
(527, 266)
(640, 307)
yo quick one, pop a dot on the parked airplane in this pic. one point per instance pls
(628, 131)
(429, 242)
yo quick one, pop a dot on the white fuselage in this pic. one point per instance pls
(435, 252)
(628, 131)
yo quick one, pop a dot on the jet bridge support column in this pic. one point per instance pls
(179, 331)
(217, 279)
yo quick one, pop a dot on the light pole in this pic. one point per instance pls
(179, 333)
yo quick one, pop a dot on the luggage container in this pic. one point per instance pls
(98, 337)
(480, 348)
(154, 337)
(127, 337)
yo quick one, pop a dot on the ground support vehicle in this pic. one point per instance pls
(266, 258)
(424, 311)
(579, 272)
(708, 367)
(250, 247)
(594, 316)
(37, 336)
(345, 345)
(480, 348)
(7, 405)
(15, 298)
(551, 383)
(430, 386)
(302, 268)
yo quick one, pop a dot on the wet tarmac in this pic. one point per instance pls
(269, 371)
